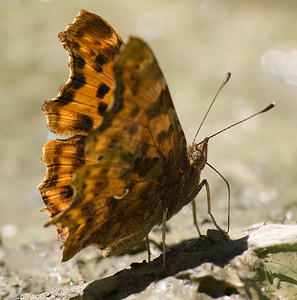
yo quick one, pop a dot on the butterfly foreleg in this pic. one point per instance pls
(195, 217)
(205, 183)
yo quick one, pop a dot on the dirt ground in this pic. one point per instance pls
(255, 266)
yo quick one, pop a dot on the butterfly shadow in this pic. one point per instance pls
(212, 248)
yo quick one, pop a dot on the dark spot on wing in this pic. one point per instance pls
(78, 62)
(68, 190)
(163, 135)
(78, 81)
(101, 59)
(90, 220)
(66, 97)
(102, 108)
(103, 89)
(83, 123)
(117, 105)
(160, 106)
(98, 68)
(133, 128)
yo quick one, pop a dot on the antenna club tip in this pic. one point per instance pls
(227, 77)
(271, 105)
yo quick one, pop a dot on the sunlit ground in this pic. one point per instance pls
(196, 43)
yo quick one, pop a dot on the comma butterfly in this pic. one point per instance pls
(127, 159)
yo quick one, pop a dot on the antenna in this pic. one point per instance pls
(226, 79)
(271, 105)
(267, 108)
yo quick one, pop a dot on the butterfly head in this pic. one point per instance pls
(198, 154)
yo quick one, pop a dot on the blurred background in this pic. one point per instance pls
(196, 43)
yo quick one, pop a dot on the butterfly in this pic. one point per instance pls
(127, 159)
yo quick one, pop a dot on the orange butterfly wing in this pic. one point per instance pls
(135, 163)
(142, 162)
(92, 45)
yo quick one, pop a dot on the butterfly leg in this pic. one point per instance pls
(205, 183)
(147, 242)
(165, 211)
(195, 217)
